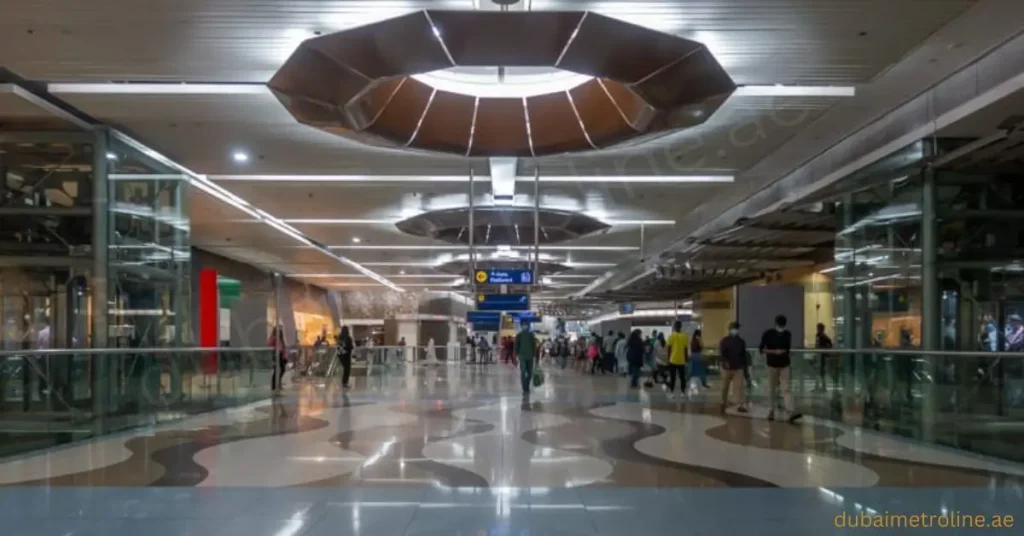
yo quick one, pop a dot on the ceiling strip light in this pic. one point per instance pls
(572, 38)
(419, 123)
(529, 131)
(795, 91)
(351, 221)
(440, 40)
(157, 89)
(472, 127)
(369, 179)
(649, 179)
(576, 112)
(203, 183)
(478, 248)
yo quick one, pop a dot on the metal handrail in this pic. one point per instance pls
(713, 352)
(125, 351)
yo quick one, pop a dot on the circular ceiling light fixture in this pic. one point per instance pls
(494, 83)
(502, 82)
(240, 156)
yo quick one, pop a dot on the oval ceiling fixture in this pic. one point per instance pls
(502, 82)
(492, 83)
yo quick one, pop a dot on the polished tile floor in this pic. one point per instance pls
(456, 449)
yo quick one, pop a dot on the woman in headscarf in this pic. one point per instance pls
(431, 357)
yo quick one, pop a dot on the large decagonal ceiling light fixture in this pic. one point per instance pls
(570, 81)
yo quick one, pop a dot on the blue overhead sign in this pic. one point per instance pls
(494, 276)
(484, 321)
(502, 302)
(525, 316)
(483, 317)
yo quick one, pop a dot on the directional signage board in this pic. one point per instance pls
(502, 302)
(495, 276)
(525, 316)
(484, 321)
(483, 317)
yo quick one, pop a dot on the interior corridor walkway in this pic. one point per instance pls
(455, 449)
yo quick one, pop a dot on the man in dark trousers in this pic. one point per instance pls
(822, 342)
(732, 350)
(775, 346)
(526, 346)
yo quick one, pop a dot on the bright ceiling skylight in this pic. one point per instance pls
(510, 82)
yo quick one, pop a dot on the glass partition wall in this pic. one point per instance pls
(927, 262)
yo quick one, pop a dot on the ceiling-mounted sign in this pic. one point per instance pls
(502, 302)
(494, 276)
(483, 320)
(520, 317)
(483, 317)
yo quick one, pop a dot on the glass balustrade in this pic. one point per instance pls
(55, 396)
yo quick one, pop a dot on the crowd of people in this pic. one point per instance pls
(669, 359)
(673, 360)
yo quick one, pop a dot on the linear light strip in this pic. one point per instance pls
(419, 123)
(632, 179)
(388, 102)
(572, 38)
(428, 276)
(795, 91)
(472, 127)
(576, 112)
(157, 89)
(479, 248)
(529, 131)
(132, 88)
(203, 183)
(440, 40)
(350, 221)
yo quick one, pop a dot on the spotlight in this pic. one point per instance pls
(240, 156)
(356, 240)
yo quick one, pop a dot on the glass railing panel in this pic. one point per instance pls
(49, 397)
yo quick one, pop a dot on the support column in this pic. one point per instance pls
(931, 321)
(849, 293)
(472, 248)
(931, 318)
(100, 291)
(536, 226)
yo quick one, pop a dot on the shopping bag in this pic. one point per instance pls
(538, 377)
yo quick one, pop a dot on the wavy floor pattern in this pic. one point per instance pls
(504, 459)
(686, 441)
(295, 456)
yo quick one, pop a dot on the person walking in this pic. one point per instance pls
(775, 345)
(609, 351)
(431, 353)
(619, 365)
(732, 351)
(660, 359)
(280, 350)
(697, 368)
(526, 350)
(635, 357)
(346, 345)
(821, 342)
(677, 345)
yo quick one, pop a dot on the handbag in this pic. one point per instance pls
(538, 377)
